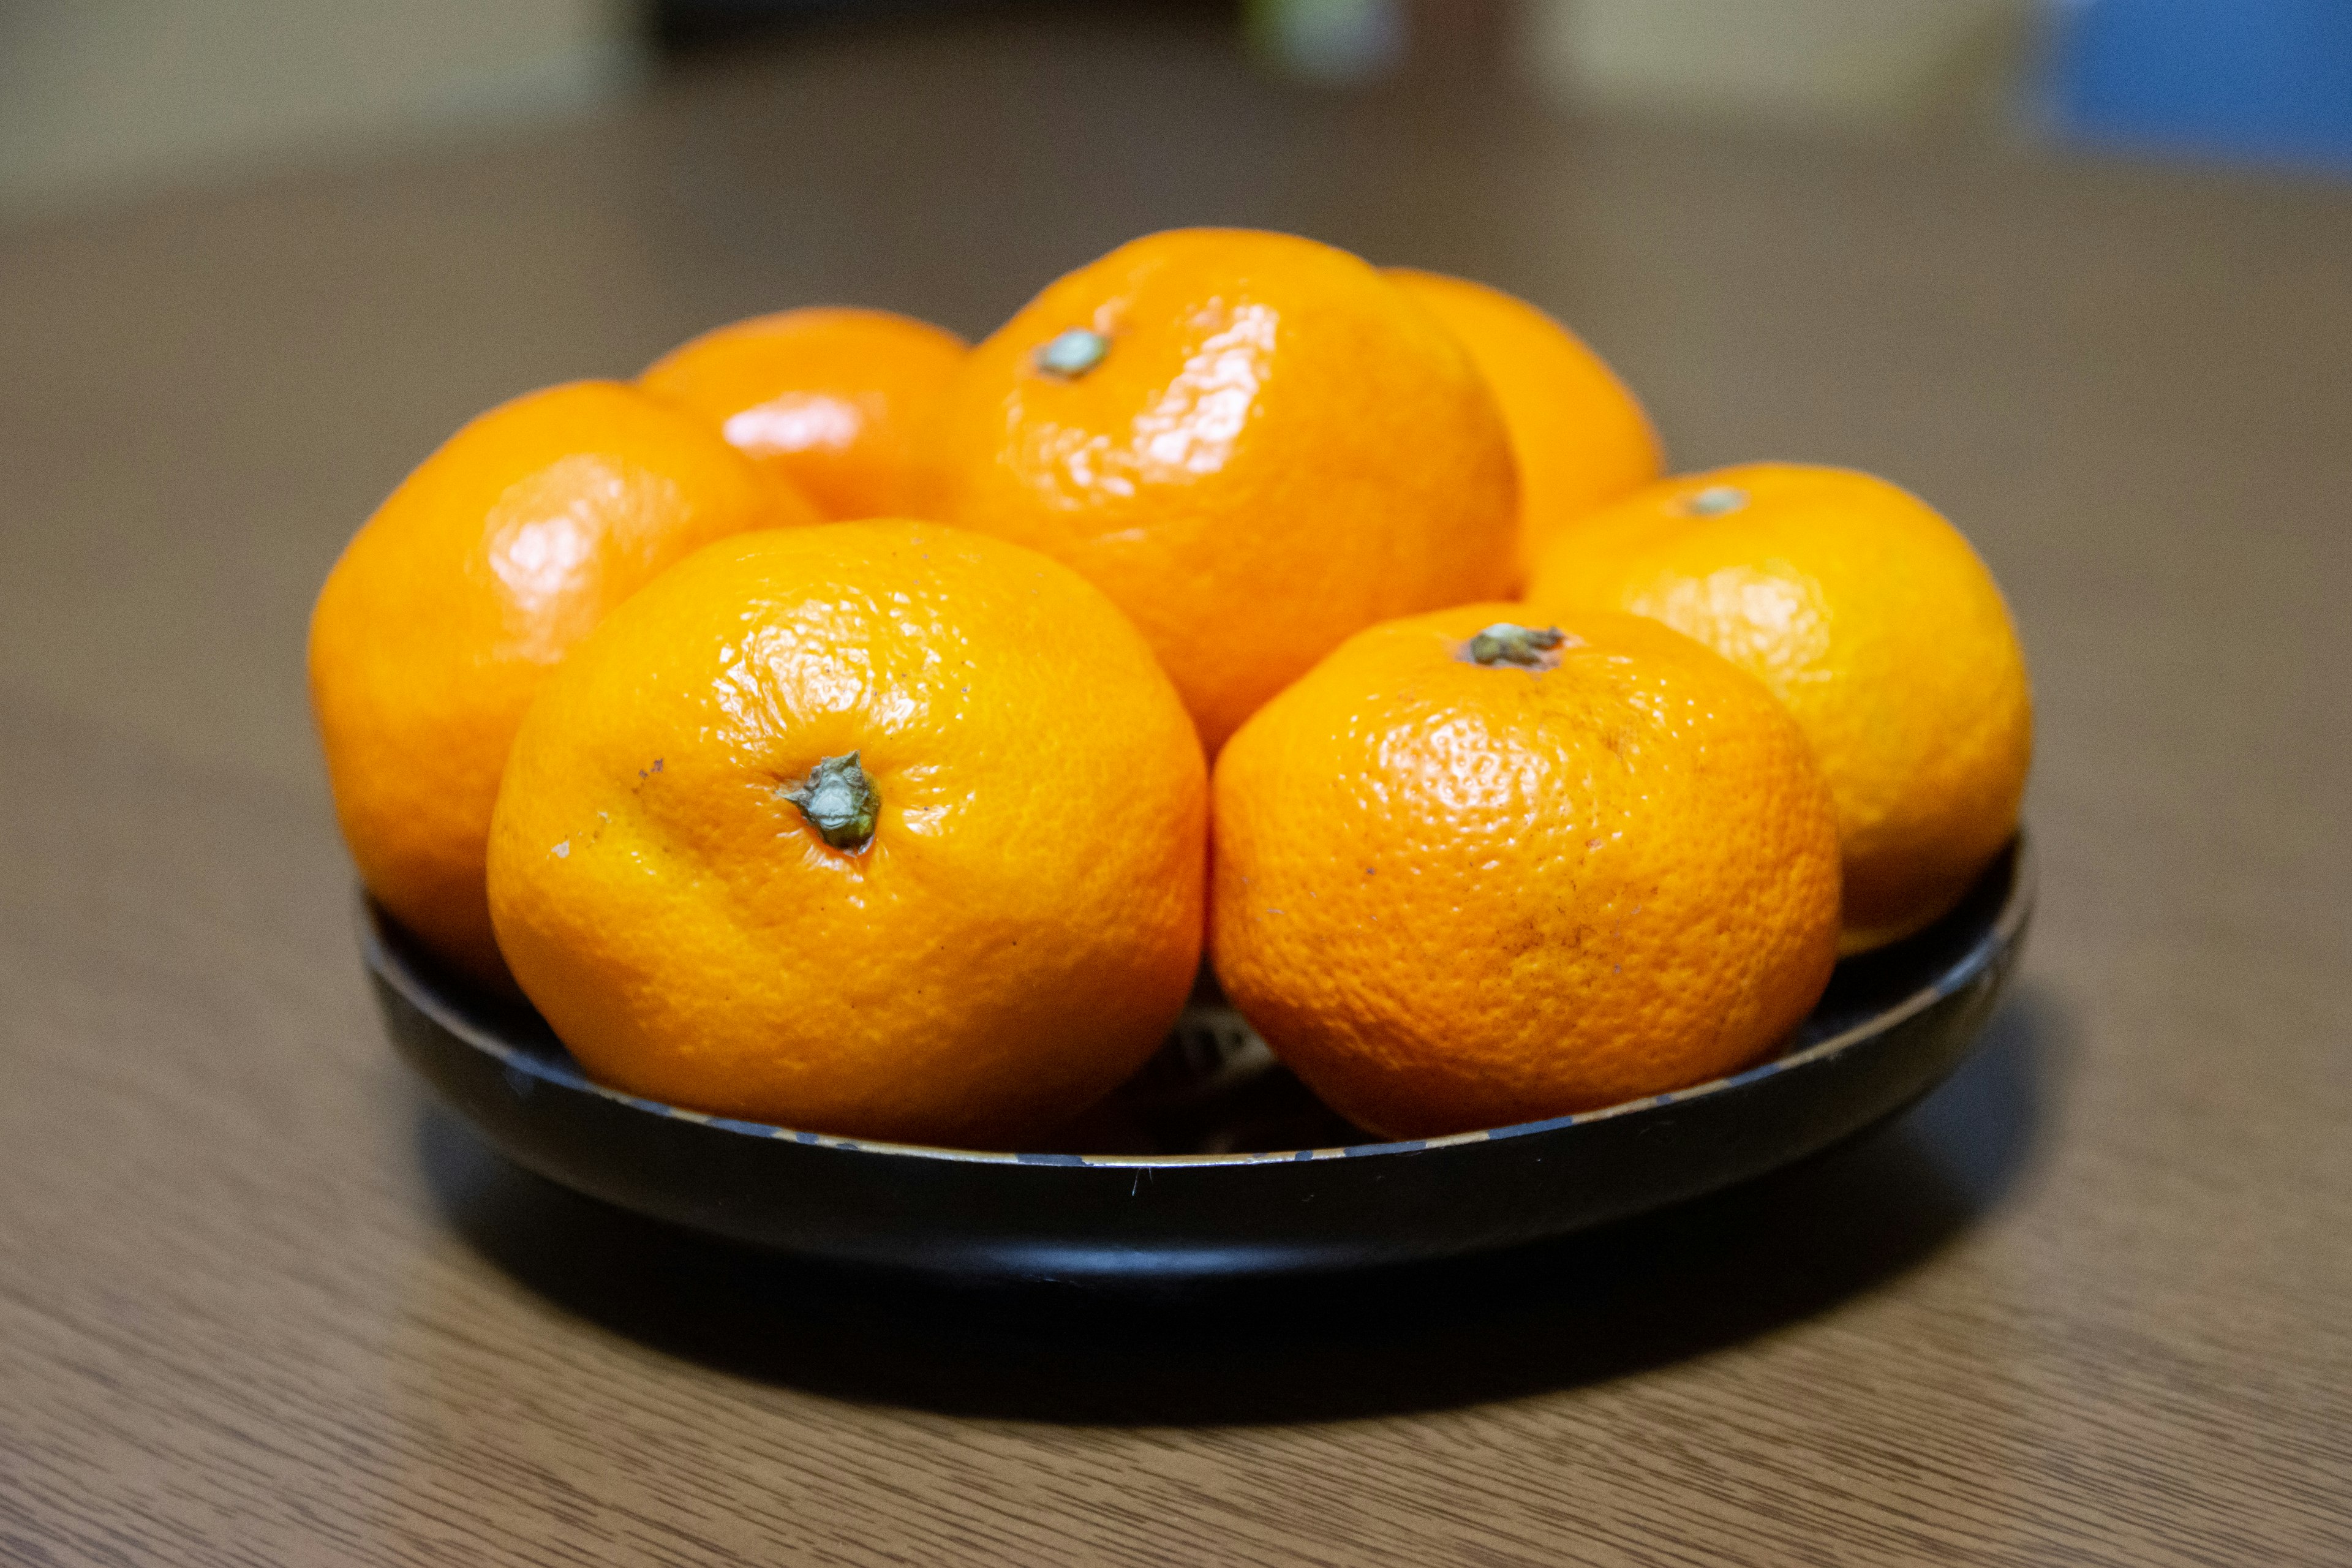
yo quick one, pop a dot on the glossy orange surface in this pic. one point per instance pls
(1874, 621)
(1455, 895)
(1255, 444)
(1581, 436)
(832, 400)
(1015, 936)
(472, 581)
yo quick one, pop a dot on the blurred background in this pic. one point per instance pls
(105, 100)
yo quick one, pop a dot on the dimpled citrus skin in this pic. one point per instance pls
(1018, 936)
(1581, 436)
(473, 579)
(1454, 896)
(1277, 448)
(831, 399)
(1871, 617)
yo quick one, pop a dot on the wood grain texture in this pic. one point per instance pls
(258, 1304)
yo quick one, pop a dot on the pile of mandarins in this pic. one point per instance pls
(1337, 618)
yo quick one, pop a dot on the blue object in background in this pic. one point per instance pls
(2265, 82)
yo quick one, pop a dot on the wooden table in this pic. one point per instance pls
(259, 1303)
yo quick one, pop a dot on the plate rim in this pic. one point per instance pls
(383, 958)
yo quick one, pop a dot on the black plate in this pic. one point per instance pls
(1224, 1164)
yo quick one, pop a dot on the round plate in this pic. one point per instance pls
(1219, 1162)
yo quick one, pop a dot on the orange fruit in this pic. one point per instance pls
(1470, 872)
(1581, 436)
(1253, 443)
(831, 399)
(472, 581)
(882, 829)
(1869, 617)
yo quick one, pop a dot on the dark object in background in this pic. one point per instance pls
(691, 26)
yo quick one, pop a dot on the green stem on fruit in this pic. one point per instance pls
(1526, 646)
(839, 801)
(1071, 353)
(1715, 501)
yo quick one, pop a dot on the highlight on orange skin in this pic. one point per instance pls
(831, 399)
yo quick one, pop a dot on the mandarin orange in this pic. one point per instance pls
(834, 400)
(1581, 436)
(470, 583)
(1871, 617)
(1255, 444)
(882, 829)
(1470, 872)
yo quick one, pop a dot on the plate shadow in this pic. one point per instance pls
(1603, 1304)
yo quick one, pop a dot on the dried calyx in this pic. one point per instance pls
(1071, 353)
(1715, 501)
(839, 801)
(1525, 646)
